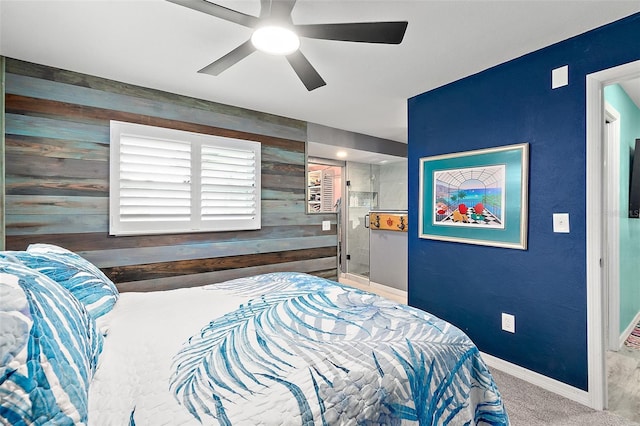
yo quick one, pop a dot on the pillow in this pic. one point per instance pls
(82, 278)
(49, 348)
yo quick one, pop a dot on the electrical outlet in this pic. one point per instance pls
(509, 323)
(326, 225)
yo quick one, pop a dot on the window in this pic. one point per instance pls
(170, 181)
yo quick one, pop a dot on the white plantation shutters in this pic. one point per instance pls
(227, 187)
(154, 180)
(171, 181)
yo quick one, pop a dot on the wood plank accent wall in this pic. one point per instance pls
(2, 207)
(57, 182)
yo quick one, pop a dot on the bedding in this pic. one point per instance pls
(281, 348)
(49, 349)
(285, 349)
(83, 279)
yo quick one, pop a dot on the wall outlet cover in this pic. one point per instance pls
(508, 322)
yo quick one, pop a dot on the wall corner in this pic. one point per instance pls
(2, 163)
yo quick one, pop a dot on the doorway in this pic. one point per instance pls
(598, 261)
(370, 186)
(375, 178)
(324, 185)
(622, 249)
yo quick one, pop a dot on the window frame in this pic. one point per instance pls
(197, 221)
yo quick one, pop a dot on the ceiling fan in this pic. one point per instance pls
(275, 21)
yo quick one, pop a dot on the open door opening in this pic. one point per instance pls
(599, 265)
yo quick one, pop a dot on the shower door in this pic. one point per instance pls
(362, 196)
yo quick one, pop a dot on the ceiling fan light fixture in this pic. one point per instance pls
(275, 40)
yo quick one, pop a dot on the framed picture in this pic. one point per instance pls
(476, 197)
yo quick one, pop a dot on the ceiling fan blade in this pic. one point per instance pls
(309, 76)
(282, 8)
(279, 10)
(265, 8)
(231, 58)
(219, 12)
(364, 32)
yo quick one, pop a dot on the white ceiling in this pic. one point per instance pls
(157, 44)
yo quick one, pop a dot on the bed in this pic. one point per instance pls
(272, 349)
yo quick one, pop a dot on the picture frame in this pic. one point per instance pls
(476, 197)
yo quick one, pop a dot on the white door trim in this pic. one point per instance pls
(612, 227)
(595, 311)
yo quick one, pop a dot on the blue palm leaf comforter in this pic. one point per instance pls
(286, 348)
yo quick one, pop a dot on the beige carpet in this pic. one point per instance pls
(530, 405)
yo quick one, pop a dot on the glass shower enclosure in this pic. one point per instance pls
(361, 196)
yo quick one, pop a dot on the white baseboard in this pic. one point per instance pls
(552, 385)
(353, 277)
(367, 283)
(388, 289)
(627, 331)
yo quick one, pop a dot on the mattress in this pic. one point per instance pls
(285, 349)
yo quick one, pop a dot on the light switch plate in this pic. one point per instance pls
(326, 225)
(561, 222)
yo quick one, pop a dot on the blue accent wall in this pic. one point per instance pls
(545, 285)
